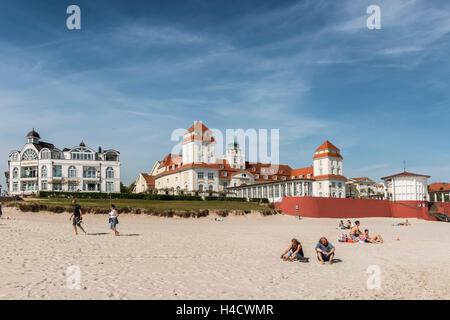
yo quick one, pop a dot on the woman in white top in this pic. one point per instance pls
(113, 221)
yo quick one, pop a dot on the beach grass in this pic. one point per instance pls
(155, 205)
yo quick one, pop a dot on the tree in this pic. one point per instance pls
(124, 188)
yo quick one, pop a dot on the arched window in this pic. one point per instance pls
(15, 157)
(15, 173)
(45, 154)
(211, 187)
(109, 173)
(200, 187)
(81, 154)
(29, 154)
(72, 172)
(56, 154)
(44, 172)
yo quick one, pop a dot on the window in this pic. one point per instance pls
(200, 175)
(224, 184)
(81, 154)
(200, 187)
(109, 173)
(44, 172)
(90, 173)
(57, 187)
(340, 184)
(57, 172)
(15, 186)
(29, 154)
(333, 184)
(30, 172)
(110, 187)
(56, 154)
(211, 187)
(256, 176)
(15, 173)
(15, 157)
(72, 172)
(210, 175)
(44, 185)
(45, 154)
(224, 173)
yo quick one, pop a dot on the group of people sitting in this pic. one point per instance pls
(324, 250)
(356, 235)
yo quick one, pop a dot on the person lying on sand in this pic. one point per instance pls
(406, 223)
(355, 233)
(367, 238)
(325, 251)
(295, 251)
(77, 217)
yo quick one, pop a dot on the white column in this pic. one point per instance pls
(435, 197)
(393, 190)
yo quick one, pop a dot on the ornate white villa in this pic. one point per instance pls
(41, 166)
(198, 170)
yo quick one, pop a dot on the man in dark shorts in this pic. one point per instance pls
(325, 251)
(77, 217)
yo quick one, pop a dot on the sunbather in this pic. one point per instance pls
(366, 237)
(355, 233)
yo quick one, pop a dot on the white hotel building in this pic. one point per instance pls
(41, 166)
(198, 170)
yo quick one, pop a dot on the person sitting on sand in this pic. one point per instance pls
(295, 251)
(113, 221)
(367, 238)
(325, 251)
(355, 233)
(77, 217)
(348, 224)
(341, 225)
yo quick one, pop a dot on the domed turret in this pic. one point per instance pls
(33, 137)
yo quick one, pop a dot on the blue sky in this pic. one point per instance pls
(139, 70)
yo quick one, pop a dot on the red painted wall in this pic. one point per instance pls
(318, 207)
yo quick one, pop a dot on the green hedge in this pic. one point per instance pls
(98, 195)
(262, 200)
(213, 198)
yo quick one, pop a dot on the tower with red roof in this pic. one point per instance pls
(327, 162)
(198, 145)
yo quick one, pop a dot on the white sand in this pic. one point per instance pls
(171, 258)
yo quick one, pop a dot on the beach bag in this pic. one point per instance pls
(343, 238)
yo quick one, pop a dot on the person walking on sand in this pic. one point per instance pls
(113, 221)
(325, 251)
(1, 212)
(77, 217)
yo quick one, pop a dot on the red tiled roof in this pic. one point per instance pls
(405, 174)
(198, 126)
(327, 145)
(150, 180)
(170, 160)
(439, 186)
(326, 155)
(303, 172)
(200, 138)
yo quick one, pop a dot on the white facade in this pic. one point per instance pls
(39, 166)
(407, 186)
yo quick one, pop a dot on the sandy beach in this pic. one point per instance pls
(237, 258)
